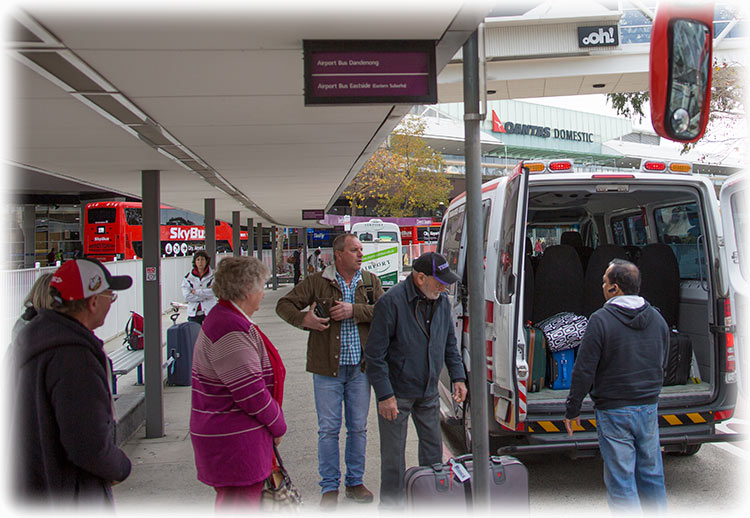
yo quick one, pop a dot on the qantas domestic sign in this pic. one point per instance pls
(516, 128)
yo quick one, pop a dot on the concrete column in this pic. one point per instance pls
(250, 240)
(29, 235)
(151, 195)
(302, 234)
(274, 274)
(209, 217)
(259, 241)
(236, 247)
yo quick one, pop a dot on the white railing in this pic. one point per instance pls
(15, 284)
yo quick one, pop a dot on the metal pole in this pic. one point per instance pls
(475, 268)
(250, 237)
(273, 259)
(259, 241)
(152, 350)
(302, 234)
(236, 245)
(209, 217)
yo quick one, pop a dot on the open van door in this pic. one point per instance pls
(508, 351)
(733, 200)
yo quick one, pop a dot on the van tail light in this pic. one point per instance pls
(723, 415)
(561, 165)
(489, 339)
(731, 364)
(654, 166)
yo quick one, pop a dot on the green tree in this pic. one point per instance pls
(726, 113)
(403, 175)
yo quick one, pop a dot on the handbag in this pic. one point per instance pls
(279, 493)
(563, 331)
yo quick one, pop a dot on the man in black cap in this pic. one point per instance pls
(411, 337)
(64, 427)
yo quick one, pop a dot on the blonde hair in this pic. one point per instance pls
(39, 296)
(235, 277)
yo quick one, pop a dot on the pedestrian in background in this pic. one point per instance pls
(237, 390)
(297, 264)
(410, 340)
(340, 301)
(621, 364)
(196, 288)
(64, 426)
(37, 298)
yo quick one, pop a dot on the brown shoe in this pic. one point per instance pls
(329, 500)
(359, 494)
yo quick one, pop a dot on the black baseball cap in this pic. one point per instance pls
(434, 264)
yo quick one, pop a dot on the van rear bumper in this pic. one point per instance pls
(562, 442)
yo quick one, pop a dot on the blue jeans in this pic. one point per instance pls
(633, 471)
(351, 388)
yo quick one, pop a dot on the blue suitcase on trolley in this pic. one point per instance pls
(561, 369)
(180, 342)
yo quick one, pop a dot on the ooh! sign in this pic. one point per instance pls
(600, 36)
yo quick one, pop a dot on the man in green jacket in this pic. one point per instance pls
(340, 301)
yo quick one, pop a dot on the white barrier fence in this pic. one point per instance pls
(15, 285)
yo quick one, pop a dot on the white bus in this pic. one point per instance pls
(381, 243)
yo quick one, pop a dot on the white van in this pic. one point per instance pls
(381, 243)
(662, 218)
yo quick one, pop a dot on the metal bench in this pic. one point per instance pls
(123, 361)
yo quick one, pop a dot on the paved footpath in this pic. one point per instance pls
(164, 475)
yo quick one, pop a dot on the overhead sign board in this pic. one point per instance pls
(370, 72)
(598, 36)
(315, 214)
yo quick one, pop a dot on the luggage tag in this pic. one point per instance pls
(459, 470)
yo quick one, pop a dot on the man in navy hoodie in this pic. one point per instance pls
(64, 427)
(621, 364)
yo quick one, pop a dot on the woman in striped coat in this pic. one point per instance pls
(238, 380)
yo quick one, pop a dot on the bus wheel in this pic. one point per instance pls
(690, 449)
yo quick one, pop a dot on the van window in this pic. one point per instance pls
(388, 236)
(629, 230)
(506, 243)
(739, 217)
(452, 232)
(365, 237)
(679, 227)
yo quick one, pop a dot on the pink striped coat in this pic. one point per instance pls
(233, 418)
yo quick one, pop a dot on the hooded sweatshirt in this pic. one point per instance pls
(64, 429)
(622, 357)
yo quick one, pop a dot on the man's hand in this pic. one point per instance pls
(341, 310)
(459, 391)
(388, 408)
(313, 321)
(569, 424)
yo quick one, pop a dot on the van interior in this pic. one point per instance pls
(574, 231)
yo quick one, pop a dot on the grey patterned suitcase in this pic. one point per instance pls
(438, 486)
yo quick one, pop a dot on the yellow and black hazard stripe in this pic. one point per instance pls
(589, 425)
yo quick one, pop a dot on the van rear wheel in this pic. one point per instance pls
(690, 449)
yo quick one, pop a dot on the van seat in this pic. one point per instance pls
(574, 239)
(660, 280)
(593, 298)
(558, 283)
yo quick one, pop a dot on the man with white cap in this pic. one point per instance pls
(64, 427)
(411, 338)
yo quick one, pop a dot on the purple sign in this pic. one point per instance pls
(356, 72)
(315, 214)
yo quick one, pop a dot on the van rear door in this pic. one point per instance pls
(508, 352)
(733, 200)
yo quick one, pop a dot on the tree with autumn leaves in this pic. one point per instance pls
(403, 176)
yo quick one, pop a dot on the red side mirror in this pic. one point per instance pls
(680, 70)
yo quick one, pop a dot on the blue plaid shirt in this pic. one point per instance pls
(351, 350)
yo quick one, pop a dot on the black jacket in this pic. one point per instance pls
(400, 358)
(64, 429)
(622, 357)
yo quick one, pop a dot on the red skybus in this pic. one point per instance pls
(114, 229)
(413, 235)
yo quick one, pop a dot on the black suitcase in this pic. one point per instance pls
(180, 342)
(438, 485)
(678, 361)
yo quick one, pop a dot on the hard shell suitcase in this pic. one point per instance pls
(536, 350)
(439, 485)
(180, 342)
(561, 368)
(680, 357)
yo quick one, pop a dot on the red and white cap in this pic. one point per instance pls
(81, 278)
